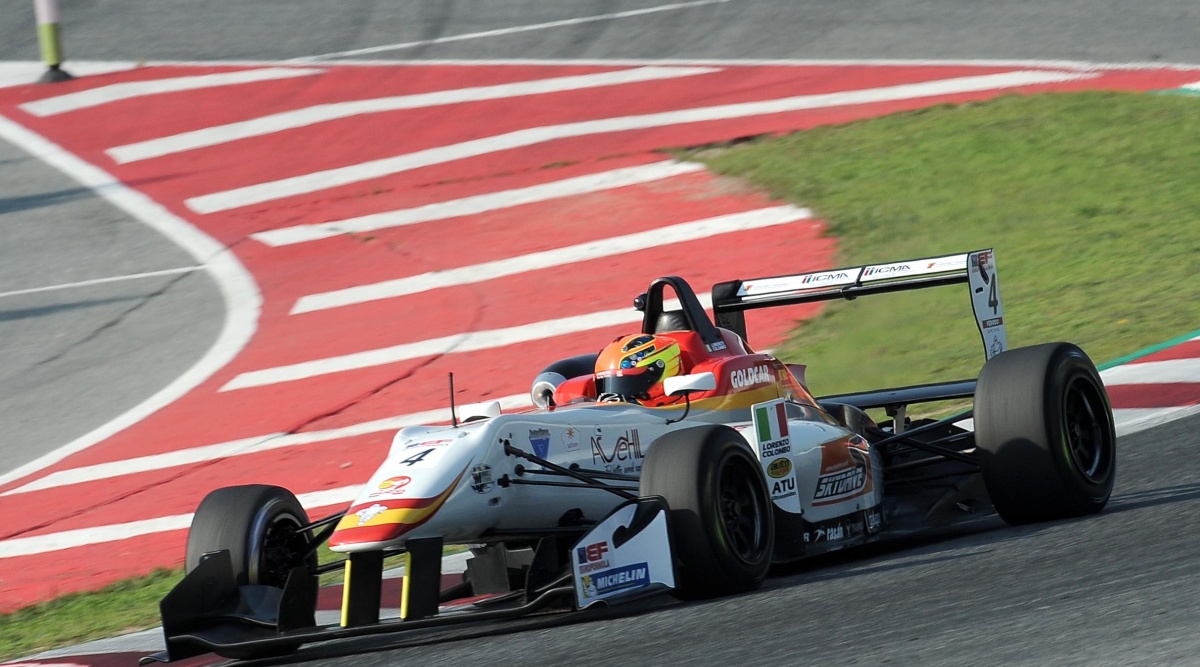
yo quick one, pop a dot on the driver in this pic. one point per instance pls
(632, 369)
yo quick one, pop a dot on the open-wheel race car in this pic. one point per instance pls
(676, 459)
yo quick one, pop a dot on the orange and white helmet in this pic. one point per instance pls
(632, 368)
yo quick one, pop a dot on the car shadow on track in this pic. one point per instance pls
(833, 564)
(956, 544)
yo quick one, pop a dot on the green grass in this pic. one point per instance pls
(117, 609)
(1089, 199)
(124, 607)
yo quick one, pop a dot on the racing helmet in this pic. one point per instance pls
(632, 369)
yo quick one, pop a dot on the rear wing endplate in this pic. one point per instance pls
(977, 269)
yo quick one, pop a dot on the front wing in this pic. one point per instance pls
(624, 557)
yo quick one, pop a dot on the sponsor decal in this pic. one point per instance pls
(780, 467)
(772, 285)
(845, 471)
(627, 578)
(482, 479)
(367, 513)
(625, 456)
(874, 520)
(748, 377)
(592, 557)
(392, 486)
(592, 552)
(828, 277)
(803, 281)
(997, 347)
(841, 484)
(994, 322)
(783, 488)
(886, 270)
(571, 439)
(915, 268)
(717, 346)
(832, 533)
(441, 442)
(539, 439)
(395, 482)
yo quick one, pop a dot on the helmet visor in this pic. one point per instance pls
(633, 383)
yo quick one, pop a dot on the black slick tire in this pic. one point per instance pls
(259, 525)
(721, 522)
(1044, 433)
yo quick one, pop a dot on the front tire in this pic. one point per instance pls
(260, 526)
(721, 522)
(1044, 433)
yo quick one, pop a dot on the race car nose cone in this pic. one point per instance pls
(384, 520)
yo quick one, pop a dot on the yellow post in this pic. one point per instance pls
(345, 623)
(48, 40)
(405, 583)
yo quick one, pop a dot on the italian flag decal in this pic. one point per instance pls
(775, 454)
(770, 421)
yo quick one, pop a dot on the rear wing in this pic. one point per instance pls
(977, 269)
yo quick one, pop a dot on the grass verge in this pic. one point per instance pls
(123, 607)
(1088, 198)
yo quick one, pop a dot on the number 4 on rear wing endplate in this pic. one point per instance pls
(977, 269)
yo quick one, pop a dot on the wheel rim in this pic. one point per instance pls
(741, 503)
(1088, 434)
(280, 547)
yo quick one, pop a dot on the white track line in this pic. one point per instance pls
(321, 113)
(617, 178)
(473, 341)
(500, 32)
(1132, 420)
(102, 281)
(465, 275)
(81, 537)
(330, 178)
(84, 99)
(20, 73)
(1154, 372)
(241, 295)
(252, 445)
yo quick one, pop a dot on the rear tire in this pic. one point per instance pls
(721, 523)
(259, 525)
(1044, 433)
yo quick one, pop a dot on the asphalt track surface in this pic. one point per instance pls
(1119, 588)
(74, 357)
(1096, 30)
